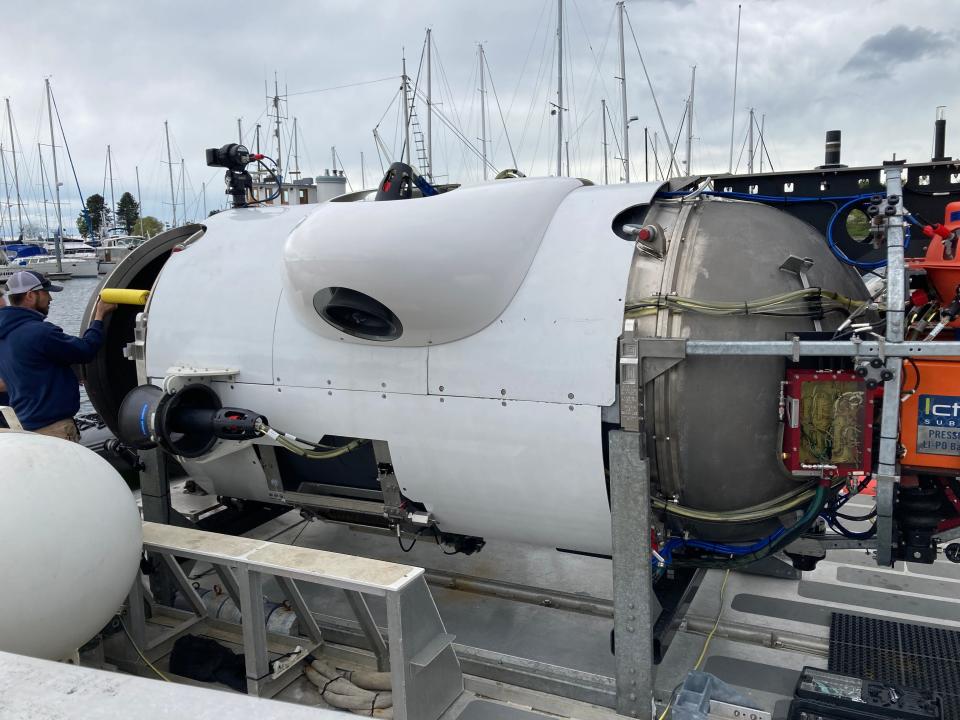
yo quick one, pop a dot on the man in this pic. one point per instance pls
(35, 356)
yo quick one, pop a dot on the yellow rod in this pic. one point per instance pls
(120, 296)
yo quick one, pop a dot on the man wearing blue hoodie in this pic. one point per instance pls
(36, 356)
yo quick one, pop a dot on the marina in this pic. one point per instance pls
(494, 412)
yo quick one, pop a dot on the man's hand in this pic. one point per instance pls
(103, 309)
(3, 385)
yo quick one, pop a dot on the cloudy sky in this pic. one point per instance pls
(877, 70)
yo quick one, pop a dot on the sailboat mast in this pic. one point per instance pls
(429, 168)
(136, 169)
(276, 109)
(406, 113)
(483, 113)
(733, 112)
(763, 146)
(363, 172)
(16, 175)
(240, 130)
(113, 202)
(623, 98)
(173, 196)
(296, 151)
(58, 243)
(6, 190)
(750, 144)
(603, 115)
(693, 82)
(183, 188)
(43, 187)
(559, 88)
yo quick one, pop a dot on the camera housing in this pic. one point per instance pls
(232, 156)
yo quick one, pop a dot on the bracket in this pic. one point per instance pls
(800, 267)
(641, 361)
(179, 376)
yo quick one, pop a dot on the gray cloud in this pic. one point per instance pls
(899, 44)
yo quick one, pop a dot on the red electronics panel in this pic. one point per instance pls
(828, 423)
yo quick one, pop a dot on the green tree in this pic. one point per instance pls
(147, 227)
(94, 205)
(128, 212)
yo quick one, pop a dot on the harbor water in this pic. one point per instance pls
(66, 310)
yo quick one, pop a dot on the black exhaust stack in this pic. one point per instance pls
(831, 155)
(940, 135)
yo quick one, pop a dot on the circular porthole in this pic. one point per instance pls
(357, 314)
(858, 226)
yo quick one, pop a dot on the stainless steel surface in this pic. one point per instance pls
(712, 420)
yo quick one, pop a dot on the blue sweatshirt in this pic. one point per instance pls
(35, 360)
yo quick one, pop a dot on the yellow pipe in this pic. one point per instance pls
(119, 296)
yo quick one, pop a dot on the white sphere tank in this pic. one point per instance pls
(71, 539)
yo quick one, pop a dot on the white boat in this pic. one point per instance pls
(76, 267)
(77, 258)
(114, 249)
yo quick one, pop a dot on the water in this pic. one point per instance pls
(66, 310)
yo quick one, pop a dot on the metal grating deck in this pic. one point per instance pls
(906, 654)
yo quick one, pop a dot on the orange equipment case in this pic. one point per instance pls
(930, 417)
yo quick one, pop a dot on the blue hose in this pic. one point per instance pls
(666, 552)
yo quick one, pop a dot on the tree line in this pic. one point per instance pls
(102, 219)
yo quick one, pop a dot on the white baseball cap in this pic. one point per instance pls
(27, 280)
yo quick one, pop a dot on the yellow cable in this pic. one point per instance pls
(144, 657)
(703, 653)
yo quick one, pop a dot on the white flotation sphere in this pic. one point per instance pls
(70, 543)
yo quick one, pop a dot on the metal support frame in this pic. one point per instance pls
(426, 675)
(370, 630)
(633, 600)
(659, 354)
(888, 469)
